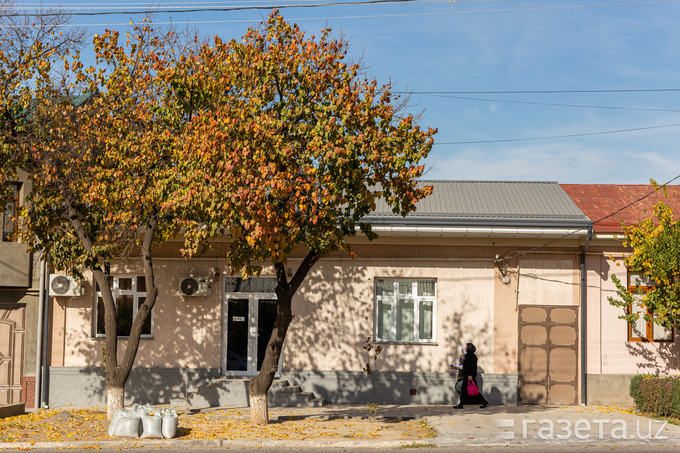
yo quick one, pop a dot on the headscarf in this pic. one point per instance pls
(470, 348)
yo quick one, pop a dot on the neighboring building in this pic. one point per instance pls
(617, 350)
(493, 263)
(18, 308)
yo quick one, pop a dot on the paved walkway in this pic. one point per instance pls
(493, 426)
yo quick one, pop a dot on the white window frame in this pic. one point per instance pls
(116, 291)
(393, 300)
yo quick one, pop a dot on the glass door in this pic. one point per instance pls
(247, 323)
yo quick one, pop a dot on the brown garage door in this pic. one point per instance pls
(12, 334)
(548, 355)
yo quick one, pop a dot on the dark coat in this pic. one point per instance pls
(470, 369)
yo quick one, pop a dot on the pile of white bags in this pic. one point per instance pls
(144, 422)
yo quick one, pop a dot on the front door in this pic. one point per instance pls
(247, 323)
(548, 355)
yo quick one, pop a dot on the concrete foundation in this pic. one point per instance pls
(606, 389)
(86, 386)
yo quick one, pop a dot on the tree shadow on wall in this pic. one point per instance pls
(324, 347)
(656, 358)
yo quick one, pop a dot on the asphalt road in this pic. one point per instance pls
(512, 449)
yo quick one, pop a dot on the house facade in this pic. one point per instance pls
(19, 307)
(497, 264)
(615, 349)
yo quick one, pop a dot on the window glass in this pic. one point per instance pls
(639, 327)
(100, 317)
(426, 289)
(384, 319)
(146, 328)
(141, 284)
(10, 214)
(384, 287)
(250, 285)
(406, 288)
(124, 284)
(128, 299)
(637, 279)
(425, 320)
(407, 314)
(405, 320)
(124, 309)
(661, 333)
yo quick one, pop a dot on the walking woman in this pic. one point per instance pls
(470, 375)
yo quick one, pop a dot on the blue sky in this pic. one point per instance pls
(473, 53)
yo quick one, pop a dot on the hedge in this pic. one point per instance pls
(658, 395)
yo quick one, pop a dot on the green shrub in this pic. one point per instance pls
(658, 395)
(635, 388)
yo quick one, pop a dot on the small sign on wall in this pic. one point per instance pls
(238, 318)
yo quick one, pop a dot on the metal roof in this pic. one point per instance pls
(489, 203)
(610, 205)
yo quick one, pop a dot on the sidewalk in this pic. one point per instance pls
(492, 426)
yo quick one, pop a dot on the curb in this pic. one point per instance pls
(212, 443)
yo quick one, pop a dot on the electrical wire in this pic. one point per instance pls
(640, 90)
(473, 142)
(364, 2)
(505, 101)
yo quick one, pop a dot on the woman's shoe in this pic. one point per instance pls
(484, 404)
(459, 406)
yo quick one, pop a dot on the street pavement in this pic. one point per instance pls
(507, 428)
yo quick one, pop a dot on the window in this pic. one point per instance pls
(642, 330)
(405, 310)
(11, 213)
(128, 293)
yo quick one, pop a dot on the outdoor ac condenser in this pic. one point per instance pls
(65, 285)
(194, 287)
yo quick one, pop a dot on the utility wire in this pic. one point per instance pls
(656, 189)
(472, 142)
(641, 90)
(365, 2)
(505, 101)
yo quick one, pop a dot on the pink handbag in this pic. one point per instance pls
(472, 389)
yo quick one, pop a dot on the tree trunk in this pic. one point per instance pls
(259, 409)
(115, 399)
(258, 387)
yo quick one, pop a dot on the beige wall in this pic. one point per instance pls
(549, 280)
(186, 330)
(327, 332)
(334, 310)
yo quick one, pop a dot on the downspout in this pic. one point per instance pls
(38, 346)
(46, 332)
(583, 315)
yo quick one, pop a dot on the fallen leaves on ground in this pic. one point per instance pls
(92, 425)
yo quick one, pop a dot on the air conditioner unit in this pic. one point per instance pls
(194, 286)
(64, 285)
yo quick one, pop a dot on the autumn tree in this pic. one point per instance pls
(101, 147)
(27, 40)
(655, 244)
(297, 146)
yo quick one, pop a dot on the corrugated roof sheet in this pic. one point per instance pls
(600, 200)
(490, 203)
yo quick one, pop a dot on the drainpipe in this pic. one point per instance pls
(46, 331)
(583, 315)
(38, 346)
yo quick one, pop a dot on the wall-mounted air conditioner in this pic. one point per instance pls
(66, 286)
(194, 286)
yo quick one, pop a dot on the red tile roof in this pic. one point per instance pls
(598, 201)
